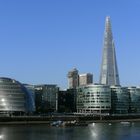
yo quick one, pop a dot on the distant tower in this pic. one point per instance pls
(85, 79)
(73, 79)
(109, 71)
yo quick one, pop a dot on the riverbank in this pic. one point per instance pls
(46, 123)
(114, 121)
(47, 120)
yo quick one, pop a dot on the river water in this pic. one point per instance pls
(97, 131)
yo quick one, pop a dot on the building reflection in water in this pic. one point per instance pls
(95, 131)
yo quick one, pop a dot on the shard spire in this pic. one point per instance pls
(109, 72)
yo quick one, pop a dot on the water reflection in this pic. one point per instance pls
(96, 131)
(112, 131)
(1, 136)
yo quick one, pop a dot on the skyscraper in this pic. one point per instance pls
(73, 79)
(109, 71)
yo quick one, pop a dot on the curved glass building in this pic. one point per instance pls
(94, 99)
(14, 97)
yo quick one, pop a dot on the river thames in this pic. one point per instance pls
(95, 131)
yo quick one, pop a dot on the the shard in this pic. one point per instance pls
(109, 72)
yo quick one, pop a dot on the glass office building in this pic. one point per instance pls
(120, 100)
(31, 89)
(14, 97)
(94, 99)
(46, 98)
(134, 93)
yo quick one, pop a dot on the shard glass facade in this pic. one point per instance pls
(109, 71)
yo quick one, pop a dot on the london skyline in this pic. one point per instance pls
(42, 40)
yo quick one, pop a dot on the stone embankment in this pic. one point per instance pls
(48, 119)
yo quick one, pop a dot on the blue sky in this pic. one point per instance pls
(41, 40)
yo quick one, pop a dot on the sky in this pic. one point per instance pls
(41, 40)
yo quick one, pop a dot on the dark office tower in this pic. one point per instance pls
(73, 79)
(109, 71)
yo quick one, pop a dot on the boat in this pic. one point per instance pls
(68, 123)
(125, 123)
(76, 124)
(56, 123)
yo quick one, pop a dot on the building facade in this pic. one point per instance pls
(46, 98)
(31, 89)
(15, 98)
(120, 100)
(100, 99)
(109, 72)
(85, 79)
(67, 101)
(134, 93)
(94, 99)
(73, 79)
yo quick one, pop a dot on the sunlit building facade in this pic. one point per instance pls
(85, 79)
(73, 79)
(109, 71)
(14, 97)
(94, 99)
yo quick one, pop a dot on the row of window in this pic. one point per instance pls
(108, 107)
(96, 96)
(96, 101)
